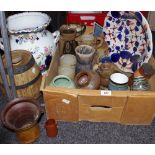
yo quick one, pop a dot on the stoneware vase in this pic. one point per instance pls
(85, 54)
(118, 81)
(83, 67)
(68, 60)
(27, 31)
(62, 81)
(140, 84)
(68, 36)
(87, 80)
(67, 71)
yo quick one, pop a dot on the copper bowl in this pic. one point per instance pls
(21, 114)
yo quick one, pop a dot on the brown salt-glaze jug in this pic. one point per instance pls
(51, 128)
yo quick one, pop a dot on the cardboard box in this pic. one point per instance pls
(126, 107)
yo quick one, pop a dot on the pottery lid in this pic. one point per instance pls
(27, 22)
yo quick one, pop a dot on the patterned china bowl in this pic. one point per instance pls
(129, 38)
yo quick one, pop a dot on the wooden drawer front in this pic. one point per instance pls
(61, 106)
(99, 108)
(139, 110)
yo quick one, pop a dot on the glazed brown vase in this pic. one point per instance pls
(68, 36)
(87, 80)
(21, 115)
(51, 128)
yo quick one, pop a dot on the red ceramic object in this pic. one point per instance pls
(51, 128)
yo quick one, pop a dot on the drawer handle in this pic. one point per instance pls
(100, 107)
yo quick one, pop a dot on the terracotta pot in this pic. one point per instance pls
(21, 115)
(87, 80)
(51, 128)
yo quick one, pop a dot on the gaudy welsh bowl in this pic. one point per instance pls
(129, 39)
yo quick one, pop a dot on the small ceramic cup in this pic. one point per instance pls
(68, 60)
(118, 81)
(62, 81)
(51, 128)
(85, 54)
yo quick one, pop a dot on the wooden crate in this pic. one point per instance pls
(126, 107)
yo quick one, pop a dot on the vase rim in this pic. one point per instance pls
(20, 23)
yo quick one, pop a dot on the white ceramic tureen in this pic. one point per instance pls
(27, 31)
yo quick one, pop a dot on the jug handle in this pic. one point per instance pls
(56, 35)
(83, 30)
(100, 43)
(1, 44)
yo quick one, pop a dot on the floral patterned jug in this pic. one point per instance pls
(27, 32)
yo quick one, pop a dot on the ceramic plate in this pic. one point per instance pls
(129, 39)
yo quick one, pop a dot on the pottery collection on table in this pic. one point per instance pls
(129, 42)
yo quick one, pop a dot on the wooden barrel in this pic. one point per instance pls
(26, 74)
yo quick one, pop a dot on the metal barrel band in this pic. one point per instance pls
(29, 83)
(24, 68)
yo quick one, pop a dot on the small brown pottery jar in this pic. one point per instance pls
(51, 128)
(104, 70)
(87, 80)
